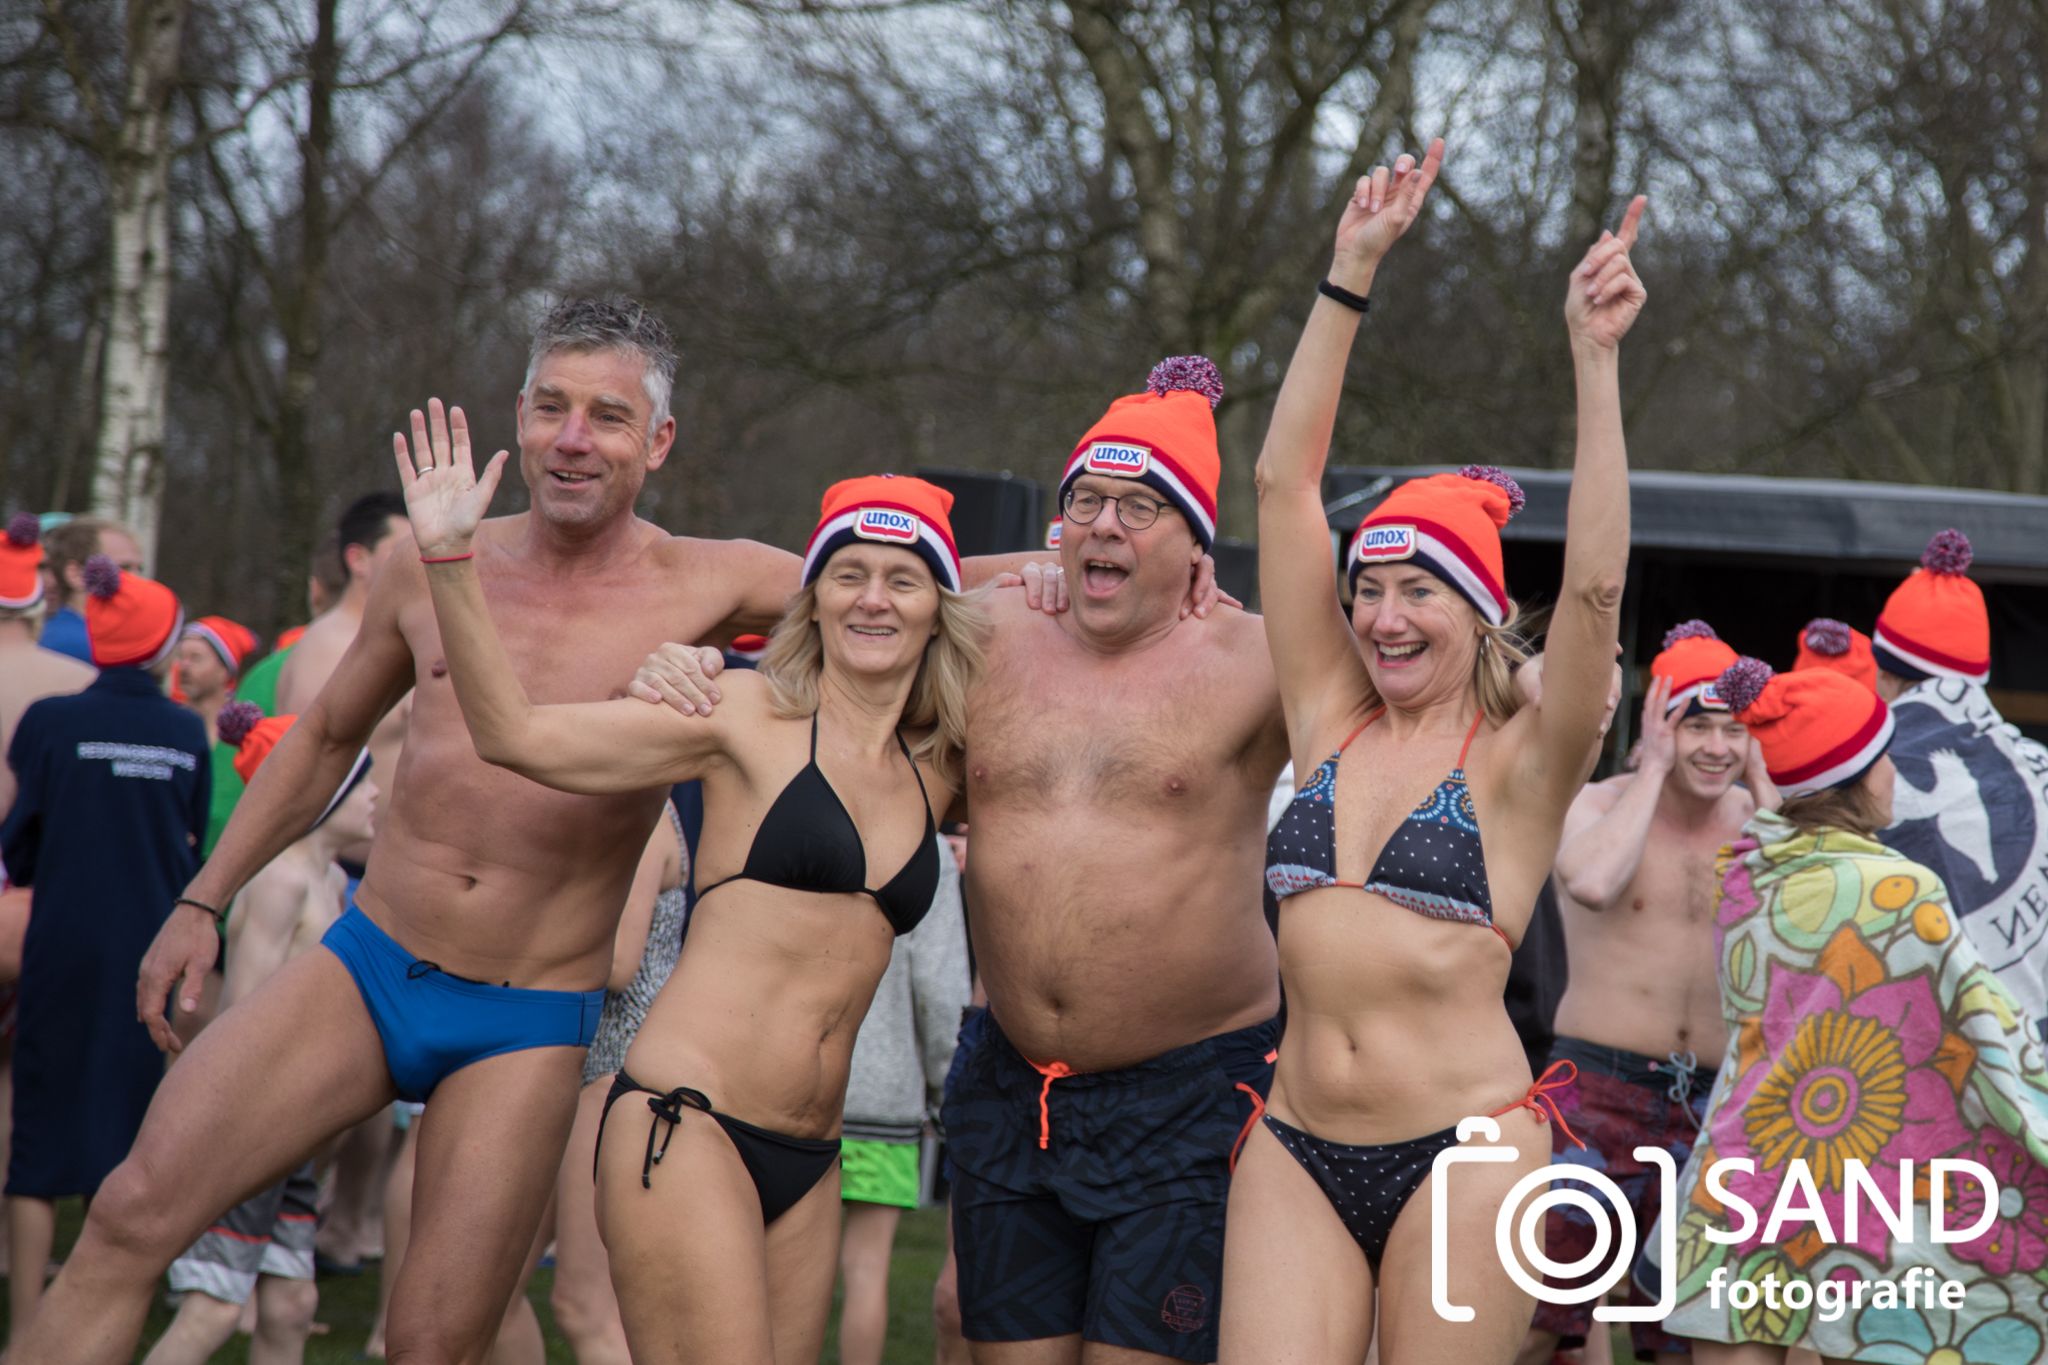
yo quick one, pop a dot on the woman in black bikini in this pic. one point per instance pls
(1399, 920)
(718, 1191)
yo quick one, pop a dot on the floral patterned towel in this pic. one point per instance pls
(1864, 1027)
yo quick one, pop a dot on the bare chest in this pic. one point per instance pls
(1149, 732)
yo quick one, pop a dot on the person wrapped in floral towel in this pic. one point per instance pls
(1865, 1028)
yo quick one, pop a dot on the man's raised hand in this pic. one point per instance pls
(1659, 744)
(444, 499)
(680, 676)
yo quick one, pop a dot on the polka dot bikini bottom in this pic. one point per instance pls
(1368, 1186)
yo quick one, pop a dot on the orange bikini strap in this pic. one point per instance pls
(1361, 729)
(1468, 738)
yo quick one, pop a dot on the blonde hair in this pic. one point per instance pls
(1502, 649)
(1853, 808)
(953, 659)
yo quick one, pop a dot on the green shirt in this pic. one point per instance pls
(259, 685)
(227, 789)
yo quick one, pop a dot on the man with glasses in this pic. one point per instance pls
(1119, 758)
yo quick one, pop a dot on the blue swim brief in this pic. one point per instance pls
(434, 1023)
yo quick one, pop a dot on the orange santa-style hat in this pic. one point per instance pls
(888, 509)
(243, 727)
(1837, 645)
(1693, 660)
(1165, 438)
(21, 563)
(1817, 728)
(1934, 624)
(231, 640)
(1450, 525)
(132, 621)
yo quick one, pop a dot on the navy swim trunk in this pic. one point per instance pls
(1093, 1203)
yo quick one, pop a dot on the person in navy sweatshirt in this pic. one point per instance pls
(113, 784)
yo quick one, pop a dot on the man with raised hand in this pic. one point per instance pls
(472, 964)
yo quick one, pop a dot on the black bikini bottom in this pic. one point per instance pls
(1368, 1186)
(783, 1168)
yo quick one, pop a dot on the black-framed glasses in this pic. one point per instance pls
(1135, 510)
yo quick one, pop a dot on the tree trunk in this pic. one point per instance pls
(300, 314)
(127, 481)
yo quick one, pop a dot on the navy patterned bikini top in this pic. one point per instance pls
(1432, 864)
(807, 842)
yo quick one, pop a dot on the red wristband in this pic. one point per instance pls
(449, 559)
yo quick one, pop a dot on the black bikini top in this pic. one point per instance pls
(807, 842)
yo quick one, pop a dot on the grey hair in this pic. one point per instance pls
(614, 323)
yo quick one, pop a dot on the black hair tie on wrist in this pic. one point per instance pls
(1357, 303)
(220, 917)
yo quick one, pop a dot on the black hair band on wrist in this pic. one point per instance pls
(1357, 303)
(220, 917)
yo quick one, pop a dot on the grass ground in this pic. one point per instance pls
(347, 1305)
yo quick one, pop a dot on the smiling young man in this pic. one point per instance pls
(1641, 1018)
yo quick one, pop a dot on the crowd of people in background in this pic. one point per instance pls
(567, 889)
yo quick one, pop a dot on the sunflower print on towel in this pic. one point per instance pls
(1863, 1027)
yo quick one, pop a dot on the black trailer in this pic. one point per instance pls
(1759, 557)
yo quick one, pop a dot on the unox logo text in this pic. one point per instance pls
(1710, 696)
(1052, 535)
(1106, 457)
(1379, 544)
(885, 523)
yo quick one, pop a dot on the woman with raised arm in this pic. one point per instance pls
(717, 1179)
(1405, 868)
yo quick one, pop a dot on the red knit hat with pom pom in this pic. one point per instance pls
(1934, 624)
(1164, 438)
(132, 621)
(1693, 660)
(1817, 728)
(21, 563)
(231, 640)
(1837, 645)
(888, 509)
(243, 727)
(1450, 525)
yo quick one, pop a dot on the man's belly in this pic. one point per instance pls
(517, 894)
(1101, 946)
(1651, 995)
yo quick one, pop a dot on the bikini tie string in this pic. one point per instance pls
(668, 1109)
(1542, 1097)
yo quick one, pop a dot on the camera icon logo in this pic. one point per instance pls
(1614, 1228)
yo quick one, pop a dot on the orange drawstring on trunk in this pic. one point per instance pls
(1052, 1071)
